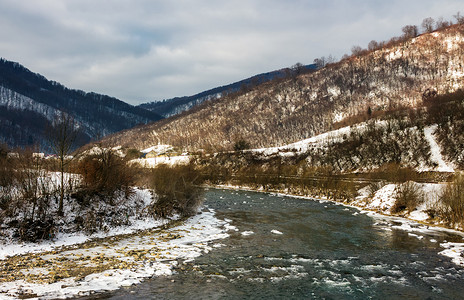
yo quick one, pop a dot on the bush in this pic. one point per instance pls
(105, 174)
(33, 231)
(373, 187)
(177, 190)
(241, 145)
(394, 172)
(451, 208)
(26, 192)
(133, 154)
(408, 197)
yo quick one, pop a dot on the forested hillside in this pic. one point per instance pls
(174, 106)
(389, 77)
(29, 102)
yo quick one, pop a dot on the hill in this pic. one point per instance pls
(29, 103)
(394, 77)
(174, 106)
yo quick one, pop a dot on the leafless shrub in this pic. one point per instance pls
(451, 205)
(177, 190)
(459, 18)
(357, 50)
(408, 197)
(373, 187)
(25, 195)
(104, 174)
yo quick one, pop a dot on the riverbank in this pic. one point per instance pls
(379, 207)
(109, 263)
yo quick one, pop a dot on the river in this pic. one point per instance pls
(290, 248)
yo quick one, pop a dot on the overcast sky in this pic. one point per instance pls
(147, 50)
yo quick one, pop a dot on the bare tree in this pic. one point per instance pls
(320, 62)
(297, 68)
(442, 23)
(331, 59)
(410, 31)
(459, 18)
(62, 137)
(357, 50)
(428, 24)
(373, 45)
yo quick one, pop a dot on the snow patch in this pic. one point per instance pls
(455, 251)
(168, 160)
(158, 149)
(246, 233)
(161, 254)
(436, 151)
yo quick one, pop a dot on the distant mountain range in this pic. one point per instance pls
(174, 106)
(29, 103)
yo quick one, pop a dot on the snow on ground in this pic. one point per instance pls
(158, 149)
(316, 141)
(454, 251)
(385, 197)
(114, 263)
(304, 145)
(154, 161)
(436, 151)
(336, 135)
(10, 248)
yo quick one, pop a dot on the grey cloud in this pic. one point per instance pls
(140, 50)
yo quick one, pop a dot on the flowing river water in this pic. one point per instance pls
(290, 248)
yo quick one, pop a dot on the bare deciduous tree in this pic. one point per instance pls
(62, 136)
(441, 23)
(373, 45)
(357, 50)
(320, 62)
(297, 68)
(410, 31)
(459, 18)
(428, 24)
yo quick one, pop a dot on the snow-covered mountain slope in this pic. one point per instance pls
(392, 78)
(29, 102)
(433, 161)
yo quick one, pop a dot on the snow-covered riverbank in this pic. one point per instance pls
(110, 263)
(121, 258)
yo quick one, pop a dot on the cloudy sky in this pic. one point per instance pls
(147, 50)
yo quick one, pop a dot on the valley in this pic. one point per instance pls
(339, 179)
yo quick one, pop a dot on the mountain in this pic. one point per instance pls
(396, 76)
(174, 106)
(29, 103)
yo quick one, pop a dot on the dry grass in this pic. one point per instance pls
(451, 207)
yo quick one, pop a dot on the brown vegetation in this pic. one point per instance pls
(408, 197)
(26, 191)
(451, 207)
(105, 174)
(177, 190)
(292, 109)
